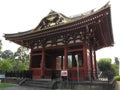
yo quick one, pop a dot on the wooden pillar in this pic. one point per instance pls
(92, 63)
(95, 63)
(85, 56)
(61, 62)
(65, 58)
(30, 65)
(91, 59)
(85, 60)
(43, 62)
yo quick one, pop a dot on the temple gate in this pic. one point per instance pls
(64, 43)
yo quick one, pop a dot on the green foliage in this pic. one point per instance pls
(0, 46)
(116, 61)
(9, 61)
(22, 66)
(21, 59)
(21, 54)
(5, 65)
(7, 54)
(69, 63)
(104, 64)
(117, 78)
(115, 69)
(115, 66)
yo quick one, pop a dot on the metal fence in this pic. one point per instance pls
(72, 74)
(19, 74)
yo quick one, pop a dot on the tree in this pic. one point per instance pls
(115, 66)
(22, 66)
(116, 61)
(115, 69)
(21, 59)
(7, 54)
(0, 47)
(5, 65)
(104, 64)
(15, 62)
(21, 54)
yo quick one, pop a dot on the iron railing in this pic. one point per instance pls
(19, 74)
(72, 74)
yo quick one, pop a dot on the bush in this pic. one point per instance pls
(5, 65)
(117, 78)
(104, 64)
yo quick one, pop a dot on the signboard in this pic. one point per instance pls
(64, 73)
(2, 75)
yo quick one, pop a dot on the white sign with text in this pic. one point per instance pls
(64, 73)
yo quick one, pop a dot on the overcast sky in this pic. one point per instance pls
(22, 15)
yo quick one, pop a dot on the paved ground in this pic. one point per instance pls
(23, 88)
(117, 85)
(35, 88)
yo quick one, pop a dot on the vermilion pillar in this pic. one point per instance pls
(30, 65)
(61, 62)
(66, 58)
(91, 59)
(95, 63)
(85, 61)
(43, 62)
(85, 57)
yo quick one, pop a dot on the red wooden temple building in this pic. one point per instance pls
(67, 43)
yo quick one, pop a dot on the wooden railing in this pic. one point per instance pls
(48, 73)
(36, 73)
(72, 74)
(75, 74)
(52, 73)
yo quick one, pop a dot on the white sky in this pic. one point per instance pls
(22, 15)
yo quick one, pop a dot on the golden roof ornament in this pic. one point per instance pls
(52, 19)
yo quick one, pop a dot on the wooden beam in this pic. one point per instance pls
(34, 54)
(74, 50)
(85, 57)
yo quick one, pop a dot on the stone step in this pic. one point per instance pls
(37, 85)
(43, 83)
(32, 81)
(41, 79)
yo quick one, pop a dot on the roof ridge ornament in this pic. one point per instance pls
(52, 19)
(107, 4)
(52, 12)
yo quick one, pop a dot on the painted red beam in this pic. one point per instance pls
(74, 50)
